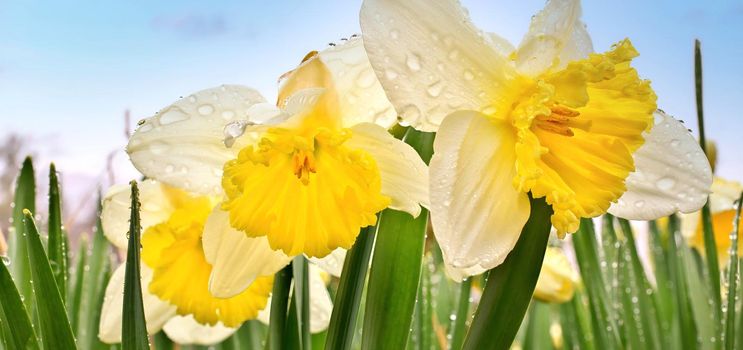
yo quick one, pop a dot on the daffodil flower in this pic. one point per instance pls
(557, 279)
(306, 174)
(551, 118)
(722, 206)
(176, 273)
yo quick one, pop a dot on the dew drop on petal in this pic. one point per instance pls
(206, 109)
(413, 62)
(665, 183)
(172, 115)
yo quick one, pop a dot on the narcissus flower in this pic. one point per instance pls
(175, 270)
(556, 283)
(722, 206)
(551, 118)
(306, 174)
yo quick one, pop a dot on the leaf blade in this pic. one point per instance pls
(133, 325)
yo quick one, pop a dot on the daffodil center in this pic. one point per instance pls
(561, 120)
(304, 189)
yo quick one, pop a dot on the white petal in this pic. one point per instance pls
(184, 330)
(332, 263)
(476, 212)
(236, 259)
(183, 145)
(156, 311)
(556, 37)
(404, 174)
(431, 59)
(360, 94)
(321, 306)
(116, 205)
(671, 174)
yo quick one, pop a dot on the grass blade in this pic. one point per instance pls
(350, 290)
(279, 302)
(75, 294)
(710, 247)
(25, 197)
(97, 271)
(511, 285)
(56, 244)
(642, 291)
(459, 326)
(17, 331)
(393, 279)
(586, 248)
(301, 303)
(54, 325)
(732, 280)
(538, 327)
(133, 326)
(678, 273)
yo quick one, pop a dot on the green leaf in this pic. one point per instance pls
(576, 327)
(350, 290)
(17, 331)
(279, 302)
(74, 297)
(300, 317)
(710, 247)
(732, 280)
(664, 293)
(54, 325)
(56, 244)
(538, 326)
(98, 271)
(602, 321)
(25, 197)
(250, 336)
(511, 285)
(133, 326)
(642, 291)
(161, 341)
(684, 312)
(393, 279)
(396, 267)
(459, 325)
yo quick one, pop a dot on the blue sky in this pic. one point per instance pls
(69, 69)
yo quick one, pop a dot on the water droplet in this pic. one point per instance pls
(453, 54)
(6, 259)
(468, 75)
(489, 110)
(640, 203)
(665, 183)
(411, 113)
(169, 168)
(675, 143)
(366, 78)
(192, 99)
(394, 34)
(234, 130)
(228, 114)
(206, 109)
(141, 121)
(413, 62)
(391, 74)
(434, 90)
(172, 115)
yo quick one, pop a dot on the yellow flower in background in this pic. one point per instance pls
(549, 117)
(557, 279)
(175, 271)
(306, 174)
(722, 206)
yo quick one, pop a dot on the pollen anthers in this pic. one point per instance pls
(561, 120)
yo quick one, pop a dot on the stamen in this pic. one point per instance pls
(561, 121)
(304, 164)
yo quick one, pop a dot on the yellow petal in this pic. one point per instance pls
(556, 282)
(577, 132)
(308, 195)
(173, 249)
